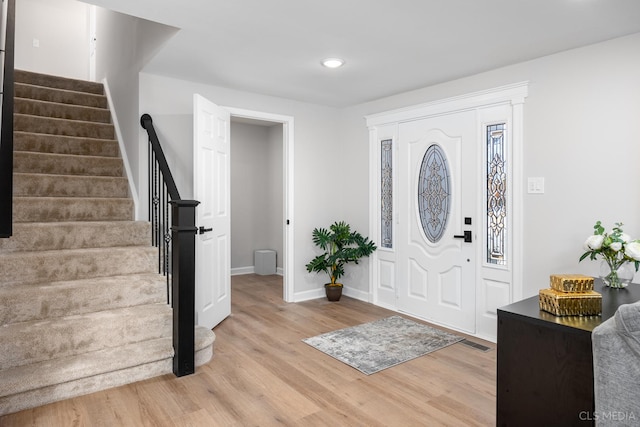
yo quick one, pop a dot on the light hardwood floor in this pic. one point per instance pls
(262, 374)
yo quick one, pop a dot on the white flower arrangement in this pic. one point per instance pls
(615, 247)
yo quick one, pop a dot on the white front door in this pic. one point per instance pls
(211, 187)
(432, 274)
(437, 203)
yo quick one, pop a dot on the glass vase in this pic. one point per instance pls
(616, 277)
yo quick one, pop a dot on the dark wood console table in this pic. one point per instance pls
(545, 363)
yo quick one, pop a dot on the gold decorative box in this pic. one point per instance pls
(570, 304)
(571, 283)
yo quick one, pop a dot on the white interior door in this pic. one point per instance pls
(437, 175)
(212, 187)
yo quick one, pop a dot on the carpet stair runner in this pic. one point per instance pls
(82, 307)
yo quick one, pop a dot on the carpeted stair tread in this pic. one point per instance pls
(56, 144)
(54, 126)
(61, 111)
(62, 96)
(82, 306)
(55, 380)
(44, 236)
(66, 164)
(24, 343)
(28, 302)
(49, 209)
(31, 184)
(73, 264)
(39, 79)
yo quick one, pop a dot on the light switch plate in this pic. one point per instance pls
(535, 185)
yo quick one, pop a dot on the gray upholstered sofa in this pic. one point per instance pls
(616, 365)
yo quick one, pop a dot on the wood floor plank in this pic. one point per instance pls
(262, 374)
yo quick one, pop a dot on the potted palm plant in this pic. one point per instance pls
(341, 246)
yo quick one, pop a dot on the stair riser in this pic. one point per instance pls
(44, 374)
(35, 385)
(67, 390)
(54, 266)
(76, 235)
(37, 124)
(31, 185)
(24, 343)
(60, 96)
(26, 303)
(58, 82)
(50, 209)
(43, 143)
(61, 111)
(59, 164)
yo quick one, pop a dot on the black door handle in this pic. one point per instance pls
(203, 230)
(466, 236)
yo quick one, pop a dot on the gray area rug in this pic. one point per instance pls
(377, 345)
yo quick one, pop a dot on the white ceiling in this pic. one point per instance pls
(274, 47)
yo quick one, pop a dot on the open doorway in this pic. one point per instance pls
(261, 193)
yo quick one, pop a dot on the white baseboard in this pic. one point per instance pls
(251, 270)
(242, 270)
(309, 295)
(123, 152)
(320, 293)
(356, 294)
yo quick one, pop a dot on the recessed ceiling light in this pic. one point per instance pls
(333, 62)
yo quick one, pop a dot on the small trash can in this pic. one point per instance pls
(264, 261)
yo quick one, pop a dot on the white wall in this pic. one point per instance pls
(124, 45)
(318, 178)
(582, 134)
(62, 30)
(256, 192)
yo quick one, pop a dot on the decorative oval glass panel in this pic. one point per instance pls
(434, 195)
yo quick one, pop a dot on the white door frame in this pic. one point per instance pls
(287, 153)
(384, 126)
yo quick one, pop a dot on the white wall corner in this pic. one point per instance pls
(123, 152)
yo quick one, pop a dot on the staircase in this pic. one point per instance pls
(82, 307)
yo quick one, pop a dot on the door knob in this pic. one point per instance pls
(203, 230)
(466, 236)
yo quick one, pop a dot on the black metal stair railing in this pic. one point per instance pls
(176, 249)
(7, 23)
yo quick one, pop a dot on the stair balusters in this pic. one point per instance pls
(160, 218)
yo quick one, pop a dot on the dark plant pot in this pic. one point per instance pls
(333, 292)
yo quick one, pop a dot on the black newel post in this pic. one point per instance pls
(183, 234)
